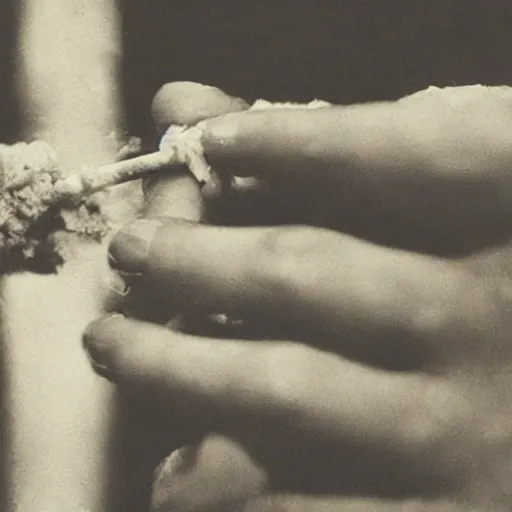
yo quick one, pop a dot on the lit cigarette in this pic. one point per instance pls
(179, 146)
(94, 179)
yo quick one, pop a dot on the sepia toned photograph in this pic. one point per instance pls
(256, 256)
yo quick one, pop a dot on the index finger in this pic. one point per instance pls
(438, 158)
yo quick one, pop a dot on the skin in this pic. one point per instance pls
(380, 374)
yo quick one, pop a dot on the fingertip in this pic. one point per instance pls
(241, 140)
(220, 133)
(217, 474)
(100, 339)
(129, 249)
(187, 103)
(102, 328)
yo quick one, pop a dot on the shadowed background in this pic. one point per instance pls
(340, 50)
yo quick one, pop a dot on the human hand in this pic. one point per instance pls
(429, 172)
(384, 372)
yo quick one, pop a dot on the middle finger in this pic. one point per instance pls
(330, 285)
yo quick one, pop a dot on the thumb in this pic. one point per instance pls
(302, 503)
(187, 103)
(214, 476)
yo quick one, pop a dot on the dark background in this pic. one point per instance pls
(343, 51)
(9, 121)
(339, 50)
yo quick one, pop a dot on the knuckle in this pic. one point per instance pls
(277, 241)
(448, 306)
(282, 255)
(282, 384)
(438, 424)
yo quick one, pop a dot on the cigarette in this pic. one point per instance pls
(36, 200)
(179, 146)
(94, 179)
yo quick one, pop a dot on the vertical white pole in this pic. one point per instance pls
(60, 412)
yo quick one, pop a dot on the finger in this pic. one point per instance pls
(183, 103)
(437, 161)
(176, 193)
(187, 103)
(220, 476)
(301, 503)
(316, 280)
(267, 393)
(215, 475)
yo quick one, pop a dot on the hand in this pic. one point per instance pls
(383, 372)
(429, 172)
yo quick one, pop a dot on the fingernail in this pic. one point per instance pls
(180, 461)
(219, 132)
(129, 249)
(95, 345)
(118, 285)
(174, 475)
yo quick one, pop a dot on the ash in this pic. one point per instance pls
(31, 215)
